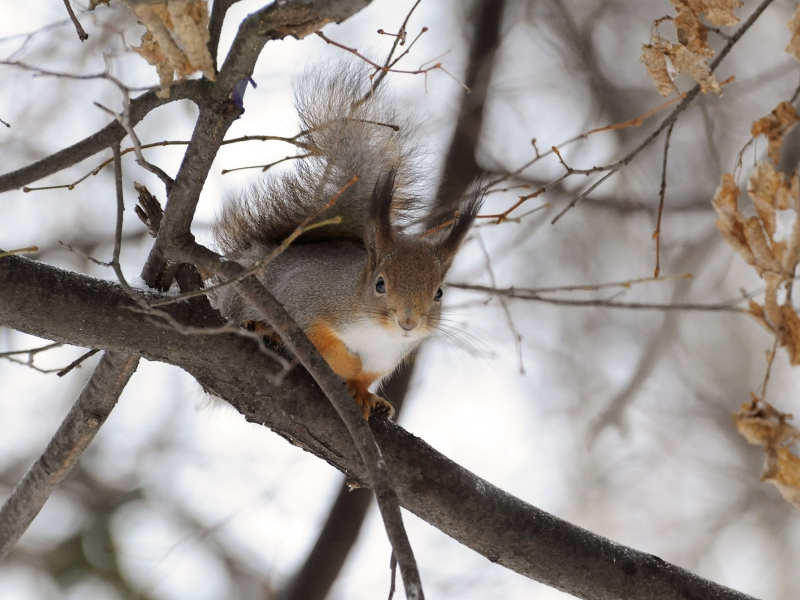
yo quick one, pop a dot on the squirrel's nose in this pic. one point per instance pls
(408, 323)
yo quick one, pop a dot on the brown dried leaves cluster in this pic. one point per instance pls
(794, 26)
(762, 425)
(691, 52)
(769, 240)
(176, 40)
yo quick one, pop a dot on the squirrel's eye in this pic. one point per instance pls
(438, 295)
(380, 286)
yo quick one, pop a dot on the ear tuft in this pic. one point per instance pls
(380, 211)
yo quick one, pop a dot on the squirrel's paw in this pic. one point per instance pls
(369, 402)
(265, 330)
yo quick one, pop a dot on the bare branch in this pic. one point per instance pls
(536, 296)
(661, 197)
(508, 530)
(110, 134)
(73, 436)
(82, 35)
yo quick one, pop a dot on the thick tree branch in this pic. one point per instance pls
(112, 133)
(81, 424)
(76, 309)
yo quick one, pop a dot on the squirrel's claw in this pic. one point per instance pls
(369, 402)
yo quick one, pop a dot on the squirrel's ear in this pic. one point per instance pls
(379, 235)
(467, 211)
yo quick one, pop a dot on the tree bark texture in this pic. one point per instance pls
(75, 309)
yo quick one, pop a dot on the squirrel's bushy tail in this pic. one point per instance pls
(348, 129)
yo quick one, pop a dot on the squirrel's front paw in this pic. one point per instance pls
(369, 402)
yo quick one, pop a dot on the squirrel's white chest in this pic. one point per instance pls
(379, 349)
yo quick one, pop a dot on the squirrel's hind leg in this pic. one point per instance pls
(345, 364)
(367, 401)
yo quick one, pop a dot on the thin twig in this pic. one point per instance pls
(266, 167)
(525, 294)
(77, 362)
(82, 35)
(31, 355)
(31, 352)
(114, 264)
(770, 359)
(661, 197)
(245, 138)
(124, 120)
(19, 251)
(378, 66)
(400, 39)
(687, 99)
(593, 287)
(506, 310)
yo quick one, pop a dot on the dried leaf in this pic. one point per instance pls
(757, 312)
(151, 52)
(786, 476)
(775, 126)
(762, 185)
(763, 425)
(794, 26)
(717, 12)
(170, 26)
(731, 223)
(691, 32)
(190, 25)
(694, 65)
(726, 198)
(655, 61)
(791, 333)
(792, 255)
(757, 241)
(772, 311)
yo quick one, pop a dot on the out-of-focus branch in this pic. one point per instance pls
(541, 296)
(112, 133)
(73, 436)
(460, 165)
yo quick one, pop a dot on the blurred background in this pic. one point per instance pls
(616, 420)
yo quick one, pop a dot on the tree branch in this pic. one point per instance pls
(76, 309)
(112, 133)
(83, 421)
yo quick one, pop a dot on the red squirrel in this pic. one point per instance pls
(364, 291)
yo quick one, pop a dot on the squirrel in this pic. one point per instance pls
(365, 291)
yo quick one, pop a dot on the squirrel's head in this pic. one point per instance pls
(404, 273)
